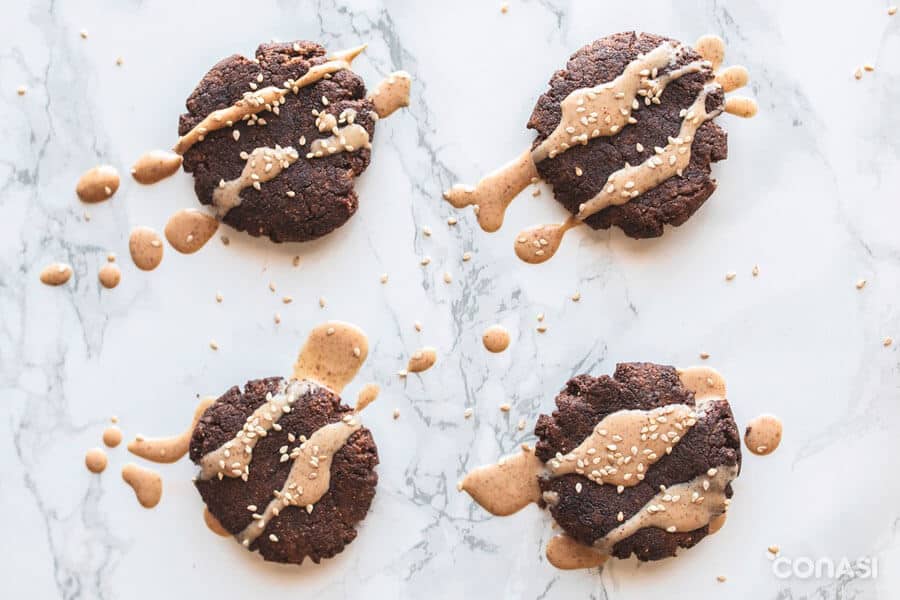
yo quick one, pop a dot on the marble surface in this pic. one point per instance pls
(809, 193)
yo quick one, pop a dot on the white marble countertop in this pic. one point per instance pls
(809, 193)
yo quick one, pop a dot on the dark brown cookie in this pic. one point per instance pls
(591, 513)
(323, 196)
(319, 534)
(673, 201)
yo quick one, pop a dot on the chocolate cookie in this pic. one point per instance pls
(312, 194)
(285, 468)
(581, 171)
(609, 489)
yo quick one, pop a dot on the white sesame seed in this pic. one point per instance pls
(467, 413)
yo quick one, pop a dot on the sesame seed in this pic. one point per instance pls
(542, 329)
(620, 517)
(417, 325)
(887, 341)
(119, 61)
(452, 221)
(236, 134)
(448, 278)
(721, 579)
(467, 413)
(287, 299)
(425, 260)
(213, 345)
(322, 302)
(892, 10)
(384, 278)
(83, 33)
(704, 355)
(773, 549)
(277, 318)
(396, 413)
(755, 271)
(272, 286)
(860, 284)
(505, 407)
(869, 67)
(578, 172)
(576, 296)
(273, 537)
(329, 331)
(219, 297)
(402, 373)
(504, 8)
(426, 230)
(467, 256)
(858, 74)
(730, 275)
(21, 90)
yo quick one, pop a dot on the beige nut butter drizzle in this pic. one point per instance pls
(169, 449)
(600, 111)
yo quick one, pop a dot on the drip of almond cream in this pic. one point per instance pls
(332, 355)
(263, 164)
(422, 360)
(146, 483)
(391, 93)
(189, 229)
(763, 434)
(349, 138)
(564, 552)
(170, 449)
(309, 478)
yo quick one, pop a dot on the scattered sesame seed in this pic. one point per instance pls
(522, 424)
(219, 297)
(721, 579)
(892, 10)
(620, 517)
(384, 278)
(83, 33)
(860, 284)
(396, 413)
(704, 355)
(273, 537)
(236, 134)
(111, 257)
(578, 172)
(417, 325)
(504, 8)
(287, 299)
(869, 67)
(887, 341)
(452, 221)
(322, 302)
(505, 407)
(448, 278)
(858, 74)
(730, 275)
(540, 317)
(542, 329)
(21, 90)
(296, 261)
(578, 488)
(213, 345)
(773, 549)
(576, 296)
(755, 271)
(119, 61)
(225, 240)
(467, 256)
(426, 230)
(277, 318)
(402, 373)
(272, 286)
(425, 260)
(467, 413)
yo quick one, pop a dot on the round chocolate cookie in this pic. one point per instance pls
(294, 530)
(314, 195)
(596, 513)
(580, 172)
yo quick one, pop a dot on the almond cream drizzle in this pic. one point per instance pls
(366, 396)
(56, 274)
(493, 194)
(97, 184)
(112, 436)
(264, 99)
(538, 244)
(109, 275)
(332, 355)
(631, 181)
(146, 248)
(343, 139)
(233, 458)
(680, 508)
(422, 360)
(309, 478)
(564, 552)
(95, 460)
(146, 483)
(154, 166)
(495, 338)
(625, 444)
(263, 164)
(508, 486)
(189, 229)
(763, 434)
(391, 93)
(170, 449)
